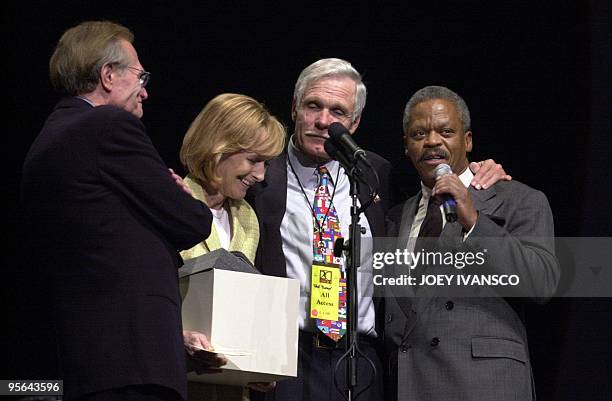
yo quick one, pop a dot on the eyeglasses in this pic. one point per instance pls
(143, 76)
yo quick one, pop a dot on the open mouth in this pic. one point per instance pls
(434, 158)
(246, 182)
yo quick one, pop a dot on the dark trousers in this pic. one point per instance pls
(315, 381)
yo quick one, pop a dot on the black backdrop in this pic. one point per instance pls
(536, 78)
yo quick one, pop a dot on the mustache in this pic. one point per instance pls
(317, 134)
(431, 153)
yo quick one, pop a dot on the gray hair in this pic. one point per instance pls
(82, 51)
(438, 92)
(331, 67)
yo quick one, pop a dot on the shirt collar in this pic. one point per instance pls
(308, 174)
(465, 177)
(86, 100)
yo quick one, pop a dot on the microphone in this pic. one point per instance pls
(335, 153)
(340, 146)
(344, 142)
(449, 206)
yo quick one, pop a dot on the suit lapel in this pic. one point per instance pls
(269, 199)
(375, 217)
(408, 214)
(212, 242)
(404, 294)
(487, 202)
(272, 198)
(245, 229)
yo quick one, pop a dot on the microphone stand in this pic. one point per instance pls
(352, 249)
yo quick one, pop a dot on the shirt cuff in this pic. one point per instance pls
(466, 234)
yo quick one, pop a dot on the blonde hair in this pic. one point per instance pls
(81, 52)
(229, 123)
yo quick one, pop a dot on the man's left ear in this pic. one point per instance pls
(354, 125)
(468, 141)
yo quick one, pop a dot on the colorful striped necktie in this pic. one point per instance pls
(326, 230)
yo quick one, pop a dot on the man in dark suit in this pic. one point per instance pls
(105, 218)
(443, 346)
(327, 91)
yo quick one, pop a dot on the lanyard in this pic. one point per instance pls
(331, 201)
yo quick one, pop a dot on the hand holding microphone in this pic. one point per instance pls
(457, 202)
(449, 206)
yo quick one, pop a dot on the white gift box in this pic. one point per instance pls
(252, 319)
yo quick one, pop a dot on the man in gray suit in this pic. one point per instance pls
(443, 346)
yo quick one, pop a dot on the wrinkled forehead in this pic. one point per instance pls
(334, 88)
(438, 109)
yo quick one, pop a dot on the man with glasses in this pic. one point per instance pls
(105, 218)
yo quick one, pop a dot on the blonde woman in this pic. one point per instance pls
(225, 151)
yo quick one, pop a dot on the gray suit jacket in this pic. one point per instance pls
(450, 347)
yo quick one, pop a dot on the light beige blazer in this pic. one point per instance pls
(243, 222)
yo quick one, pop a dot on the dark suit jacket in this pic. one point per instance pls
(474, 348)
(269, 199)
(106, 219)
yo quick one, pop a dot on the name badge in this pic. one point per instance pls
(324, 291)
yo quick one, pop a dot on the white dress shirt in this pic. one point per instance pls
(223, 227)
(297, 233)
